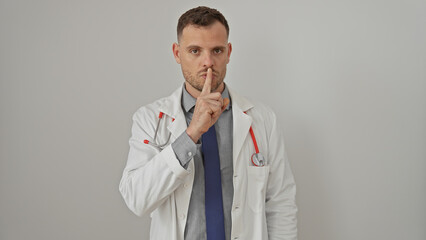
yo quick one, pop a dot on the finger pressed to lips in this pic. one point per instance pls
(204, 71)
(204, 75)
(207, 83)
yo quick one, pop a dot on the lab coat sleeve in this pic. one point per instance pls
(150, 175)
(280, 194)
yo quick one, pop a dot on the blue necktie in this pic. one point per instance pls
(213, 186)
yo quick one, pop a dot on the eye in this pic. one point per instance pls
(217, 51)
(194, 51)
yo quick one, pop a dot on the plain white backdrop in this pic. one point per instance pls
(347, 80)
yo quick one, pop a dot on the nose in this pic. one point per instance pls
(208, 60)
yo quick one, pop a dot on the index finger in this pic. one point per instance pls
(208, 83)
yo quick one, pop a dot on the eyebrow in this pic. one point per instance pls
(195, 46)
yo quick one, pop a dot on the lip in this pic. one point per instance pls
(205, 76)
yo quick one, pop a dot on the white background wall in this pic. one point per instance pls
(346, 78)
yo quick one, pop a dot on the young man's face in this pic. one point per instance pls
(201, 48)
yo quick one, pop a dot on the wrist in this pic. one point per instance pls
(194, 135)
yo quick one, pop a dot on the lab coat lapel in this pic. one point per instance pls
(241, 122)
(178, 126)
(172, 107)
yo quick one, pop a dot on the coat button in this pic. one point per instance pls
(236, 207)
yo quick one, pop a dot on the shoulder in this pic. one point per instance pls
(262, 109)
(254, 107)
(151, 111)
(263, 118)
(150, 108)
(262, 115)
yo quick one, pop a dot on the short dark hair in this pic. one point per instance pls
(201, 16)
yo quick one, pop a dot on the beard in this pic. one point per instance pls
(197, 81)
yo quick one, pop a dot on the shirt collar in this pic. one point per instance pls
(188, 101)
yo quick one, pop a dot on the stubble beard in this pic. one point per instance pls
(197, 82)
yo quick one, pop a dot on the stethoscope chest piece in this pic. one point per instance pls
(258, 160)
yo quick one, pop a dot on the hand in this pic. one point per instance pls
(208, 108)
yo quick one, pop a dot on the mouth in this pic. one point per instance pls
(204, 76)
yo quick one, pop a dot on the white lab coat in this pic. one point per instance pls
(154, 182)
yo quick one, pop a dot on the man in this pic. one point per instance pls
(194, 164)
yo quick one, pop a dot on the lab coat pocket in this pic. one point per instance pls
(256, 188)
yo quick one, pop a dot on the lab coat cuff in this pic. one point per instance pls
(173, 163)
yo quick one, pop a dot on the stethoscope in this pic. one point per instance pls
(153, 143)
(257, 158)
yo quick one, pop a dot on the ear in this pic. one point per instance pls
(229, 52)
(176, 52)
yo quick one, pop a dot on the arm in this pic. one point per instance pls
(281, 190)
(150, 175)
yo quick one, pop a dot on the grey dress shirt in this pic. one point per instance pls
(185, 149)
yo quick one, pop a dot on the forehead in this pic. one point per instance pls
(204, 35)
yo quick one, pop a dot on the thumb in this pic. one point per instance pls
(225, 103)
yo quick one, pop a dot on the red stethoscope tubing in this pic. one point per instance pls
(254, 140)
(160, 116)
